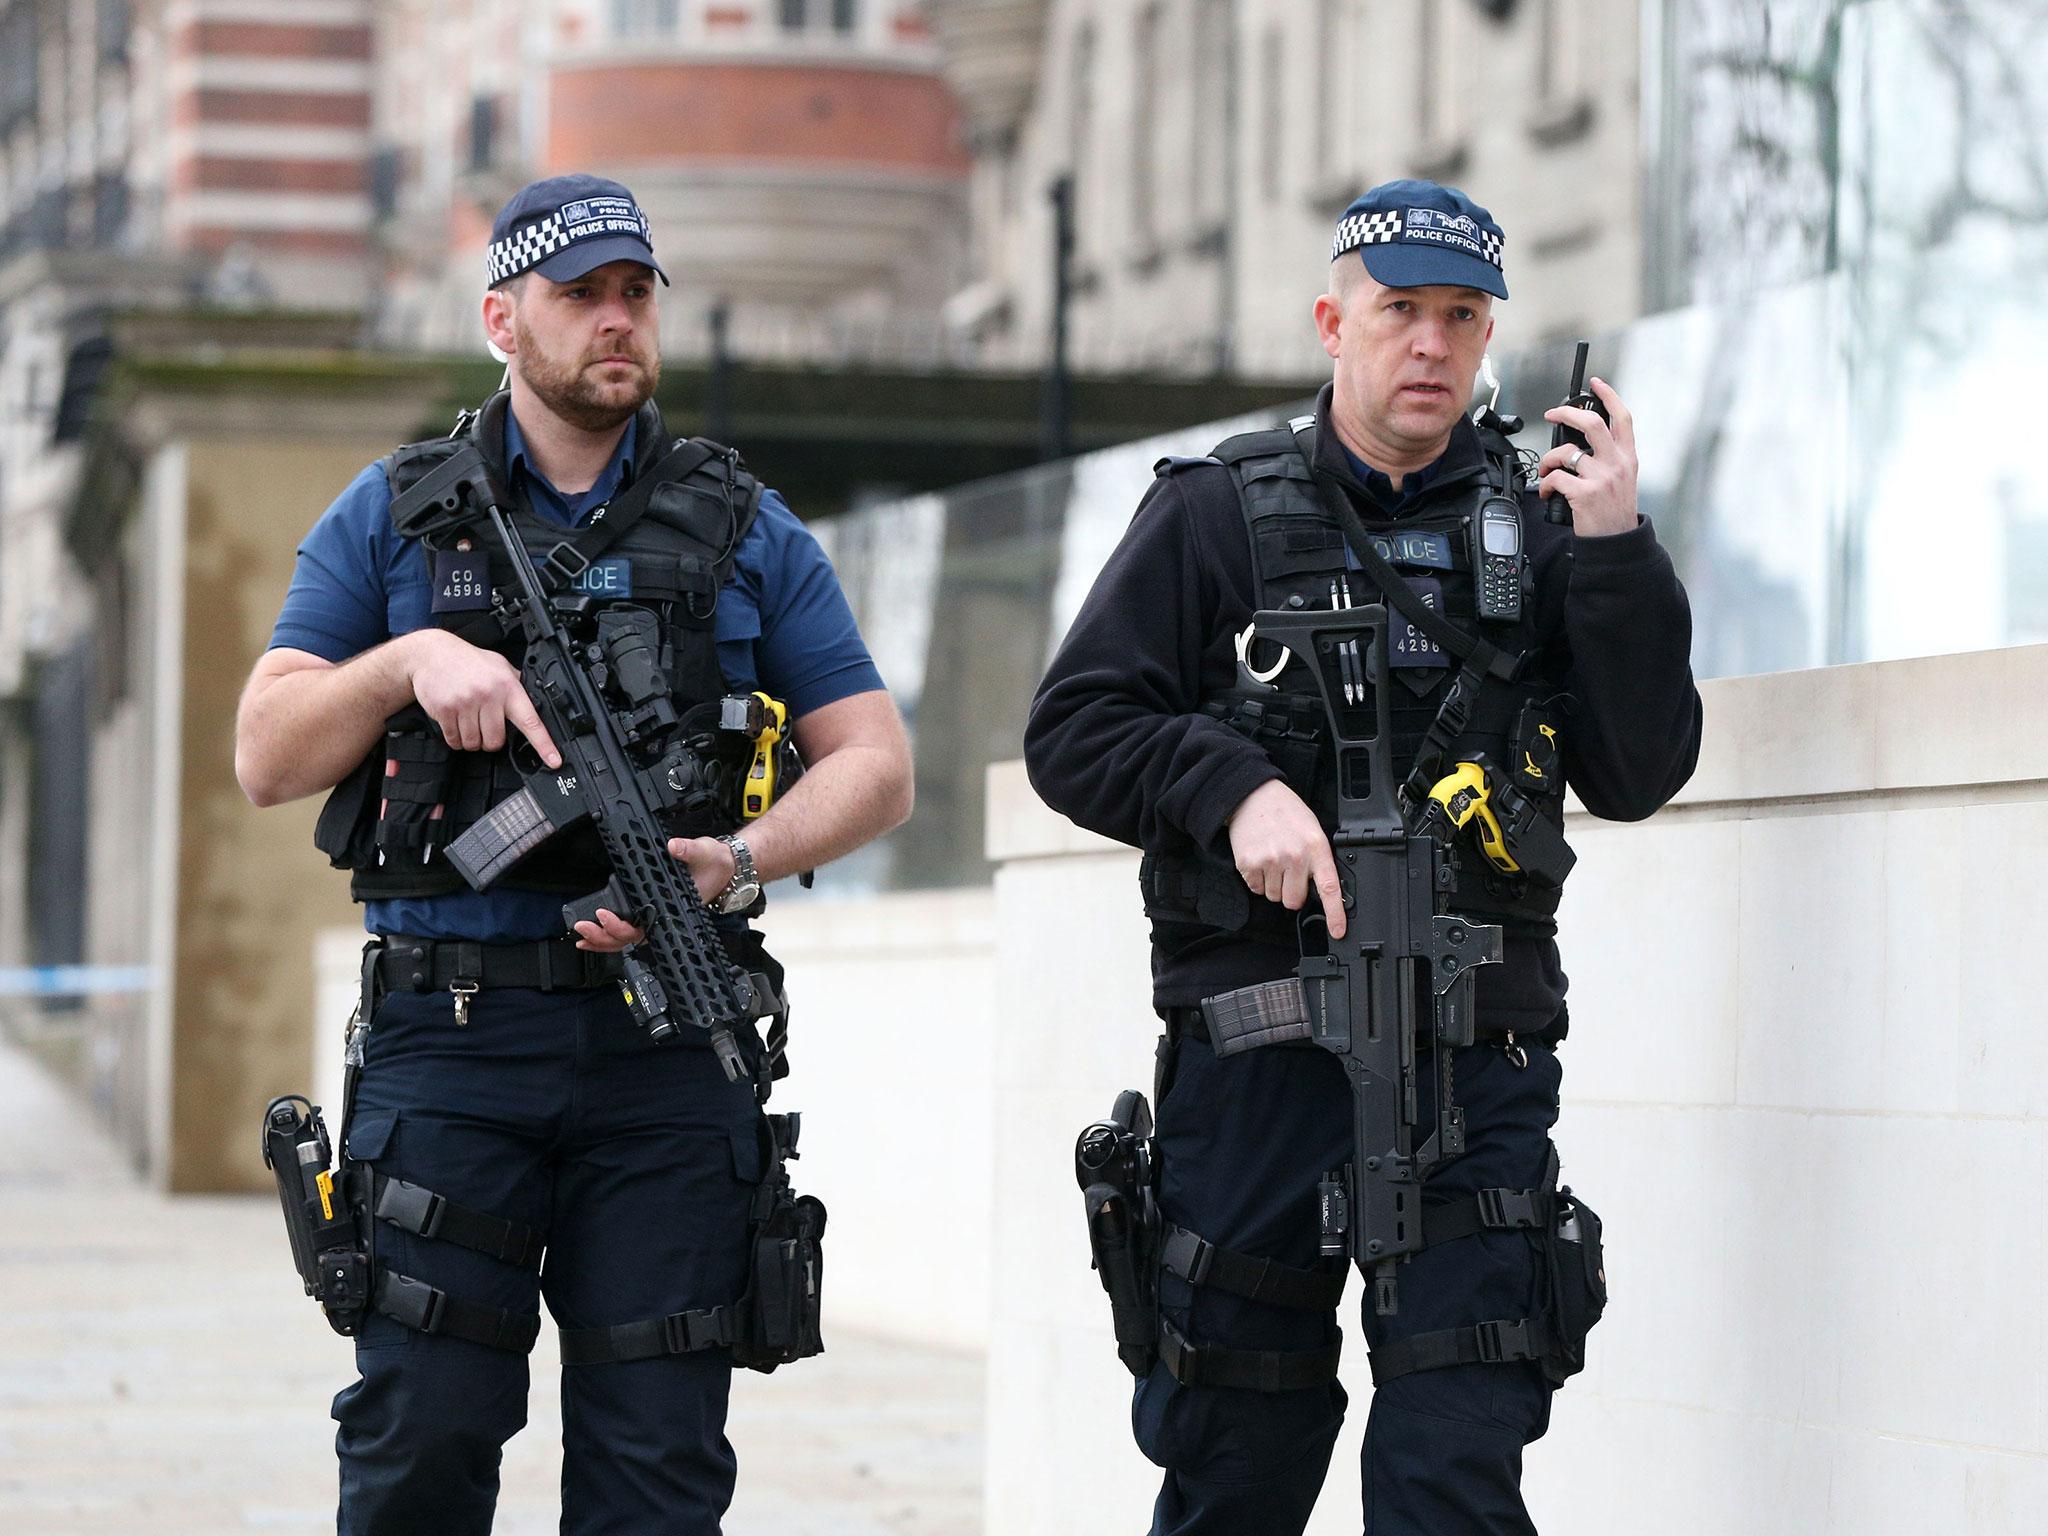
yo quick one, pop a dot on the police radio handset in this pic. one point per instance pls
(1497, 559)
(1556, 508)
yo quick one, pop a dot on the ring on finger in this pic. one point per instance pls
(1571, 465)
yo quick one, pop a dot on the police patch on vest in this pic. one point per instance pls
(611, 577)
(462, 582)
(1412, 648)
(1417, 551)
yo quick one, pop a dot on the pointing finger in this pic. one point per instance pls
(1330, 890)
(520, 711)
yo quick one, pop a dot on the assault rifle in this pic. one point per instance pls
(622, 766)
(1399, 979)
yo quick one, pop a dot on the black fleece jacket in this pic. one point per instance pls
(1117, 740)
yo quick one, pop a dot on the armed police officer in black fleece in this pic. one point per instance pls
(1140, 731)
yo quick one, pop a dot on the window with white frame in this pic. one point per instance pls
(1440, 108)
(1560, 66)
(1272, 135)
(645, 18)
(1213, 107)
(1081, 145)
(827, 16)
(1146, 39)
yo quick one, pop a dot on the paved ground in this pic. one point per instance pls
(147, 1384)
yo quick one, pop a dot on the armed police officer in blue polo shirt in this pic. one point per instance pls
(1515, 654)
(568, 1155)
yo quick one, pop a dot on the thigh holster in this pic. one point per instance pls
(330, 1217)
(776, 1320)
(1572, 1281)
(1116, 1164)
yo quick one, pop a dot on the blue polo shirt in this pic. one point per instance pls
(783, 626)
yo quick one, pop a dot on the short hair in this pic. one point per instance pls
(1347, 272)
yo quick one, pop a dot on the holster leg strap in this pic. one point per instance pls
(426, 1214)
(421, 1307)
(680, 1333)
(1487, 1344)
(1258, 1370)
(1485, 1210)
(1200, 1262)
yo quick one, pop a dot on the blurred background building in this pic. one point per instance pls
(1212, 144)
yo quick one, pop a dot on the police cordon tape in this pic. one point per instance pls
(74, 980)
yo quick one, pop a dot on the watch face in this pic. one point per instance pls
(739, 896)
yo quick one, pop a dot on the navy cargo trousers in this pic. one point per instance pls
(638, 1162)
(1243, 1141)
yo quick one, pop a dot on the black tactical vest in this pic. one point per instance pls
(693, 503)
(1298, 560)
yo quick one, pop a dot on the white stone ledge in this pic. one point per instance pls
(910, 923)
(1022, 826)
(1973, 718)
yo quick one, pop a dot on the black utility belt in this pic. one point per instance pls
(406, 963)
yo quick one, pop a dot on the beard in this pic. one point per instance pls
(575, 391)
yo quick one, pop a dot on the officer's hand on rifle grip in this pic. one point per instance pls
(471, 693)
(1283, 853)
(608, 934)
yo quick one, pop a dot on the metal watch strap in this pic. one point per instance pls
(744, 871)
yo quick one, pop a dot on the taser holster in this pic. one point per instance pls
(325, 1244)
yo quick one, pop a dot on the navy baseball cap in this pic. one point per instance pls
(1415, 233)
(566, 226)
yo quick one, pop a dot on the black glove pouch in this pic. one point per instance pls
(1576, 1279)
(780, 1314)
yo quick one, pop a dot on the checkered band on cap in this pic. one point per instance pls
(1489, 245)
(1368, 229)
(524, 248)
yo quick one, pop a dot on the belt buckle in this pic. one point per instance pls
(463, 989)
(675, 1333)
(1498, 1337)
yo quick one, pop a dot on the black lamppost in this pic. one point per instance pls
(718, 383)
(1054, 440)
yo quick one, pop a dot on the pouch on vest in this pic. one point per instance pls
(347, 829)
(414, 789)
(1193, 889)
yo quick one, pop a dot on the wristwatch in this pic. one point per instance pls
(745, 888)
